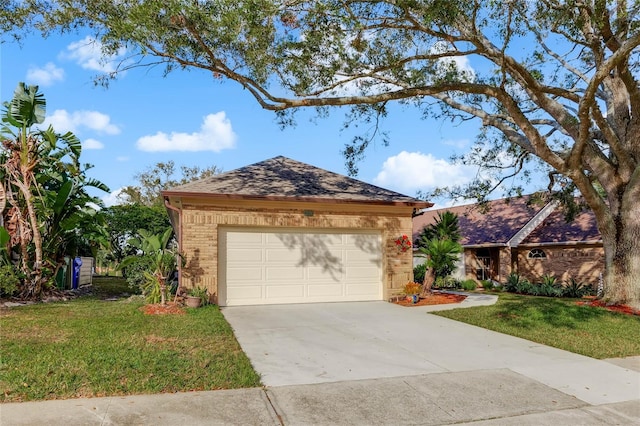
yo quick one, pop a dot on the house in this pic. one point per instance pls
(281, 231)
(526, 237)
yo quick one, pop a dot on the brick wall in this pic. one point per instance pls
(200, 222)
(583, 263)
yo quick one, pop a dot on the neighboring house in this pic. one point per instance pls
(521, 236)
(281, 231)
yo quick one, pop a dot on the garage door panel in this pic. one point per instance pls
(316, 273)
(275, 274)
(288, 256)
(267, 266)
(242, 274)
(332, 290)
(244, 292)
(361, 289)
(244, 255)
(284, 291)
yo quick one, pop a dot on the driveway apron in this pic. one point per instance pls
(335, 342)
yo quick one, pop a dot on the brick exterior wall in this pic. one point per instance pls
(583, 263)
(200, 222)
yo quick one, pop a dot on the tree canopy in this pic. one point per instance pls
(553, 83)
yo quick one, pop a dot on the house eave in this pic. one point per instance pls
(182, 194)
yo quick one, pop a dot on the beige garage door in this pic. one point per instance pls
(266, 266)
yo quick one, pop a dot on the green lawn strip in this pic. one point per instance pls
(87, 348)
(104, 287)
(561, 323)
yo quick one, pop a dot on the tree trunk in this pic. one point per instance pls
(427, 283)
(622, 258)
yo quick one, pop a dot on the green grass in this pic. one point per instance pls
(104, 287)
(89, 347)
(561, 323)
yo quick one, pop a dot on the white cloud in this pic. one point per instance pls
(460, 63)
(215, 134)
(457, 143)
(112, 198)
(88, 54)
(46, 75)
(64, 121)
(92, 144)
(408, 172)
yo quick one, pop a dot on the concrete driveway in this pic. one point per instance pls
(335, 342)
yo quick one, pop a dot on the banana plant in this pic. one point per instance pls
(163, 261)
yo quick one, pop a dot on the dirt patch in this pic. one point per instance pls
(157, 309)
(622, 309)
(433, 299)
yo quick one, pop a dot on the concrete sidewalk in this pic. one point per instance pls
(490, 397)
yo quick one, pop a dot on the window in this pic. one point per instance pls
(537, 254)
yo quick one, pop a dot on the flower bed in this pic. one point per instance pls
(433, 299)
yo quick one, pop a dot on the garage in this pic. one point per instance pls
(281, 231)
(268, 266)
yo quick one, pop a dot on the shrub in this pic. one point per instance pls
(574, 288)
(411, 288)
(200, 292)
(548, 280)
(525, 287)
(487, 285)
(134, 271)
(9, 280)
(419, 272)
(468, 285)
(513, 280)
(446, 282)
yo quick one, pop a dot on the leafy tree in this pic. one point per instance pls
(152, 181)
(123, 223)
(43, 198)
(553, 84)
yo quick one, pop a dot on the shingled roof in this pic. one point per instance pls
(496, 224)
(281, 178)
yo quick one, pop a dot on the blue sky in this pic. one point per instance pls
(196, 120)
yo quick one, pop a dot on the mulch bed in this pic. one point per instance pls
(157, 309)
(622, 309)
(433, 299)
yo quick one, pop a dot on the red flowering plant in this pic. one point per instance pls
(403, 243)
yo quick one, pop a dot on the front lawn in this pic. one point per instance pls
(561, 323)
(89, 347)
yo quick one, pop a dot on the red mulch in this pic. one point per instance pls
(622, 309)
(157, 309)
(433, 299)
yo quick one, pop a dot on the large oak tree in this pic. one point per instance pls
(553, 82)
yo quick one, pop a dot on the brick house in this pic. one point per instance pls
(518, 235)
(282, 231)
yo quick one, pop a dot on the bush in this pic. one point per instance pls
(525, 287)
(513, 280)
(9, 280)
(487, 285)
(411, 288)
(134, 272)
(574, 288)
(468, 285)
(446, 282)
(419, 272)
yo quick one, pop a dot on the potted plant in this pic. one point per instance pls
(196, 297)
(412, 291)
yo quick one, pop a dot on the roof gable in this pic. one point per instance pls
(494, 224)
(283, 178)
(503, 220)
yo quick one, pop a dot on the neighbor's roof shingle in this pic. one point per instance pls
(282, 178)
(501, 221)
(555, 229)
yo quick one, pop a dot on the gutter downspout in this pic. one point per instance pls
(179, 232)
